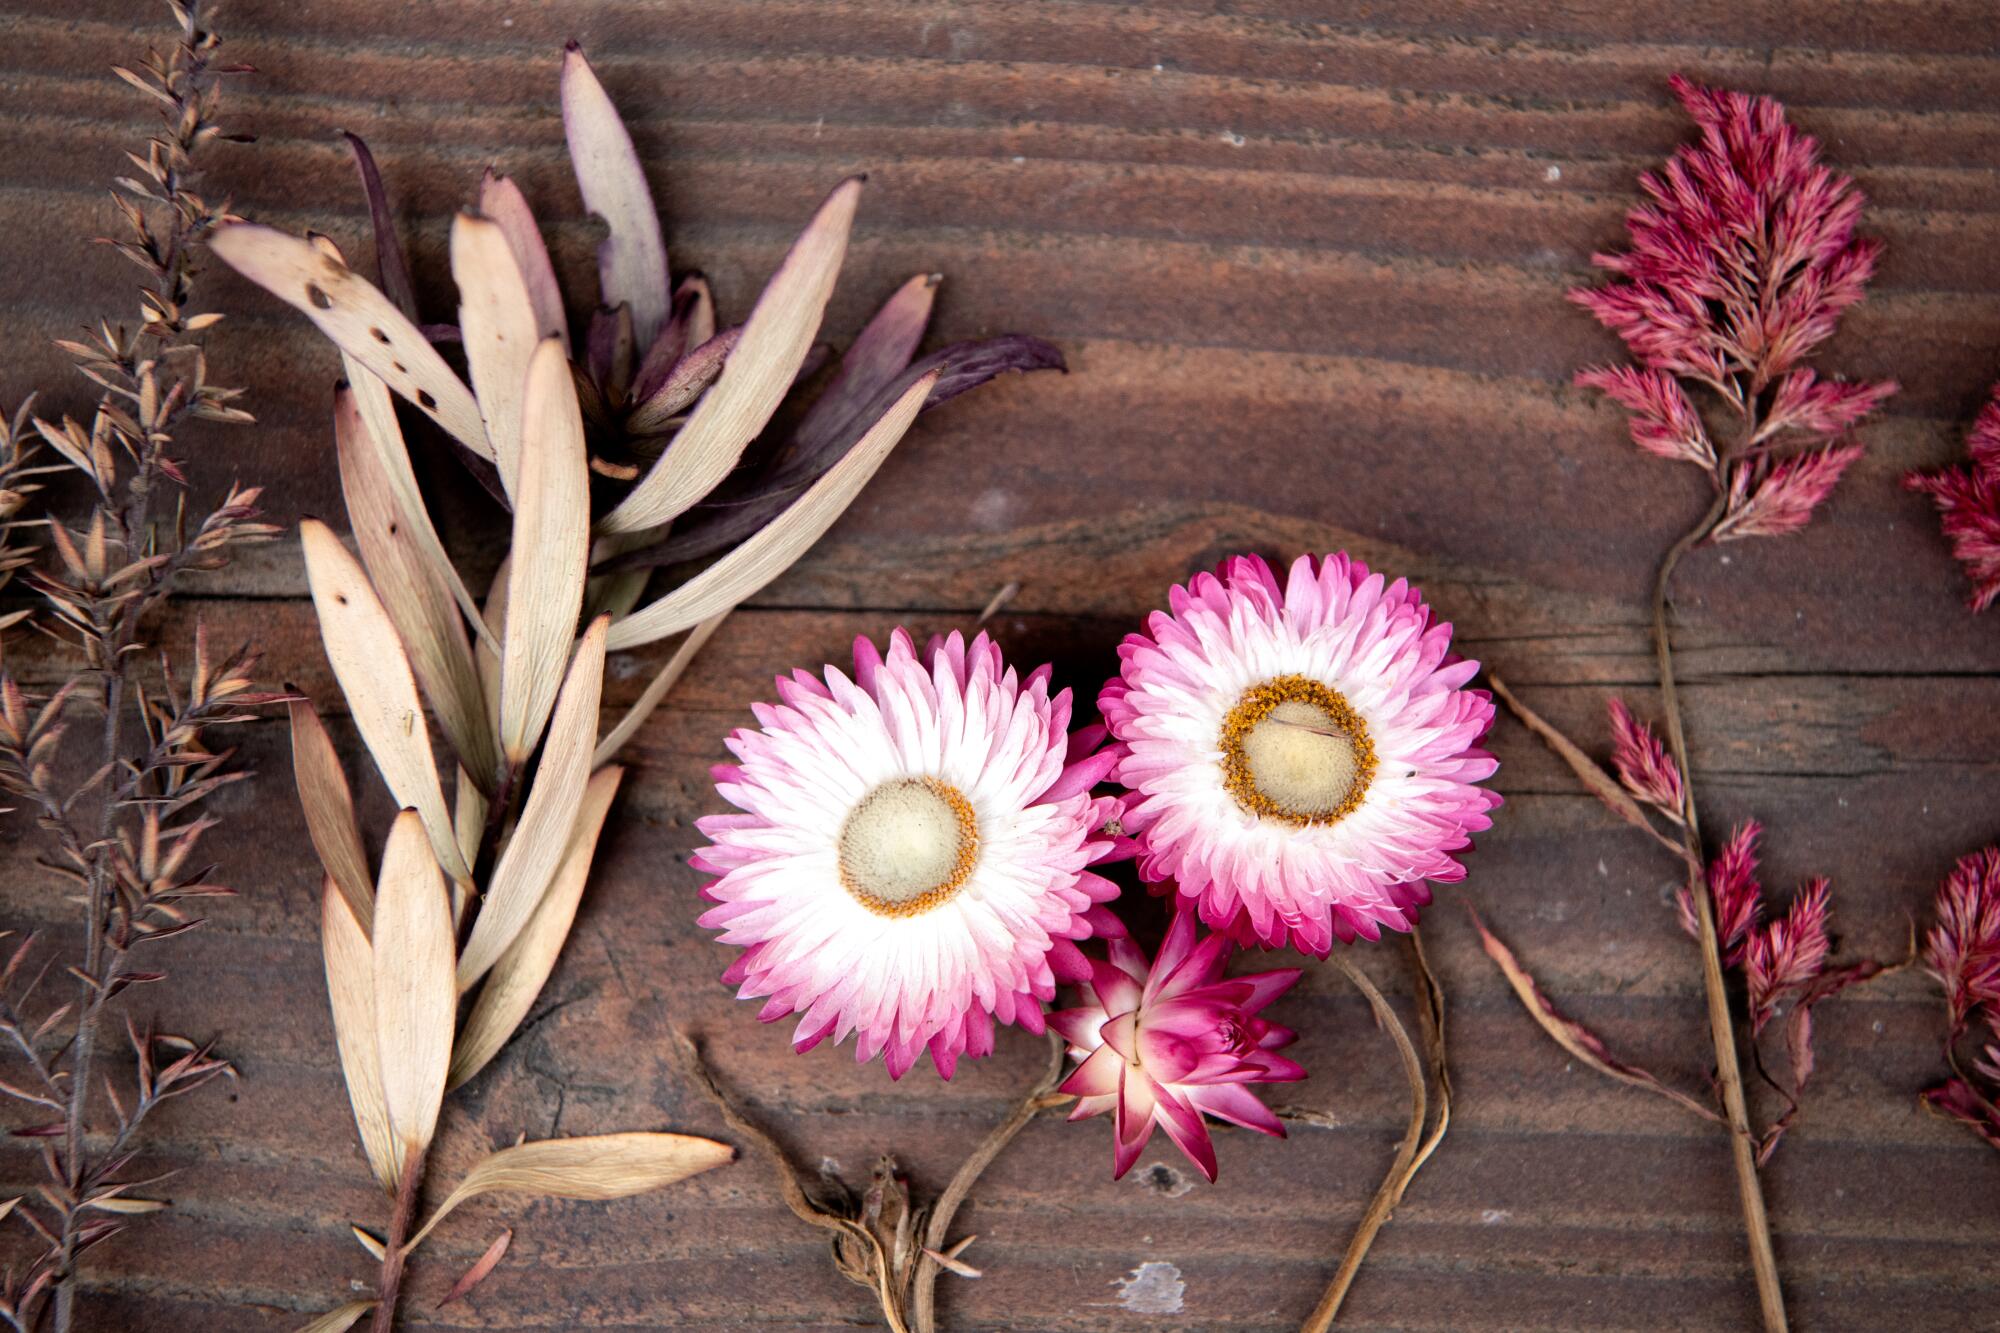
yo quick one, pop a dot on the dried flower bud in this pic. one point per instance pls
(1643, 764)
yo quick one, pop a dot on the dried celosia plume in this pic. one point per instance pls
(1968, 505)
(675, 418)
(911, 863)
(1165, 1043)
(1962, 951)
(1302, 753)
(1740, 264)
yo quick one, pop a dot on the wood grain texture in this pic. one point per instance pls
(1307, 263)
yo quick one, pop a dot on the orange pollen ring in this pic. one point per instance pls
(908, 846)
(1322, 726)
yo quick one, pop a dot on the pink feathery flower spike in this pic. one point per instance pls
(1738, 897)
(1787, 954)
(1968, 505)
(1963, 948)
(1164, 1045)
(1643, 764)
(1742, 260)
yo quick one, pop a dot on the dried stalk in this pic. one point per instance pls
(1040, 1097)
(1415, 1148)
(1721, 1023)
(110, 833)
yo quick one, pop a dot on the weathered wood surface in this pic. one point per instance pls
(1308, 265)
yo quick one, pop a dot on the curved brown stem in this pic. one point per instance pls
(1721, 1024)
(938, 1230)
(1391, 1192)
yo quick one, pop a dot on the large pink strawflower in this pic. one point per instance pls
(910, 862)
(1161, 1045)
(1302, 753)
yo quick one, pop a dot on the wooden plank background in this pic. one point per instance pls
(1307, 263)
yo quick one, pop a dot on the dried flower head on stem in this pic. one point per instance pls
(1741, 261)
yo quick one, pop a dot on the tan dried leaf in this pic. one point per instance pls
(773, 549)
(632, 261)
(477, 1274)
(515, 981)
(329, 809)
(350, 986)
(547, 815)
(369, 1241)
(121, 1204)
(368, 660)
(378, 413)
(756, 377)
(340, 1320)
(417, 597)
(550, 554)
(415, 1001)
(361, 321)
(601, 1166)
(501, 200)
(496, 318)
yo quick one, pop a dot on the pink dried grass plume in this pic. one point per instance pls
(1968, 505)
(1770, 499)
(1784, 957)
(1643, 764)
(1733, 886)
(1962, 949)
(1742, 260)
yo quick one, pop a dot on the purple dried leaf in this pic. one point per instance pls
(389, 258)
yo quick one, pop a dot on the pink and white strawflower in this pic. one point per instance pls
(910, 860)
(1167, 1043)
(1302, 752)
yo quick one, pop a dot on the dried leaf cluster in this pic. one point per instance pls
(116, 763)
(1742, 260)
(436, 954)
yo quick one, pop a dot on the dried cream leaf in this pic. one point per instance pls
(601, 1166)
(415, 1001)
(378, 414)
(368, 661)
(515, 981)
(329, 810)
(501, 200)
(755, 378)
(529, 860)
(350, 986)
(496, 318)
(368, 1241)
(550, 554)
(773, 549)
(416, 595)
(361, 321)
(632, 261)
(340, 1320)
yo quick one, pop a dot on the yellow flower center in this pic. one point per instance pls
(909, 846)
(1295, 750)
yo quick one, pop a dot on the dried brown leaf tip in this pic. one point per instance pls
(116, 763)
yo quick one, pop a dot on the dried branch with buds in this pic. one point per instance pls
(1742, 261)
(708, 455)
(116, 762)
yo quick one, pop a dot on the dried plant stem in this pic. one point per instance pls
(396, 1249)
(1721, 1023)
(879, 1274)
(938, 1231)
(1412, 1152)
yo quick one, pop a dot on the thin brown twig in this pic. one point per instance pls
(395, 1252)
(879, 1277)
(938, 1230)
(1401, 1170)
